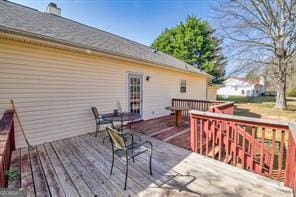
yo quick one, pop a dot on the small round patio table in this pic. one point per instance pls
(122, 117)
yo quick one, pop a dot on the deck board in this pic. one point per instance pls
(52, 179)
(80, 166)
(40, 183)
(15, 165)
(76, 178)
(104, 166)
(67, 185)
(110, 189)
(87, 177)
(26, 172)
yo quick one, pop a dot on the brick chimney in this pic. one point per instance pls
(52, 8)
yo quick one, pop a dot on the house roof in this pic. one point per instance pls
(17, 18)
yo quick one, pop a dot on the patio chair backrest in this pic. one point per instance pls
(95, 112)
(116, 138)
(119, 107)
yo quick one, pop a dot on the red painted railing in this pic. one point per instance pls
(290, 175)
(7, 144)
(262, 146)
(222, 108)
(201, 105)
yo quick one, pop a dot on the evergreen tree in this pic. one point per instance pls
(194, 42)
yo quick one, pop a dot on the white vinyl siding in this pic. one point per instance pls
(54, 89)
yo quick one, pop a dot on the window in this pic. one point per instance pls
(183, 86)
(235, 87)
(243, 92)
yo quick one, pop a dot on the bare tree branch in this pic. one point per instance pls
(262, 32)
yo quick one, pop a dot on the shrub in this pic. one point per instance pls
(241, 99)
(236, 99)
(291, 92)
(12, 174)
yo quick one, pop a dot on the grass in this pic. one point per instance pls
(262, 107)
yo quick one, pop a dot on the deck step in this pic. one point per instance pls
(176, 135)
(160, 131)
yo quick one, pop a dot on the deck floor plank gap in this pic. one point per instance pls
(81, 186)
(64, 178)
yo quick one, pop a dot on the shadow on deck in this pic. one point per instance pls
(79, 166)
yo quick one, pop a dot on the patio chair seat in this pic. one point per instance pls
(101, 121)
(127, 151)
(131, 153)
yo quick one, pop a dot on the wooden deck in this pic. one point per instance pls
(164, 129)
(79, 166)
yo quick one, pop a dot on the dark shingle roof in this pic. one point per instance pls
(19, 18)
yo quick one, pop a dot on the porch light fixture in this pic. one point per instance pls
(147, 78)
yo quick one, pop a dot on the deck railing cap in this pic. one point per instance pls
(222, 104)
(242, 118)
(292, 128)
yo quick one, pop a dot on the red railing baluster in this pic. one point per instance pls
(262, 149)
(207, 135)
(213, 138)
(235, 145)
(200, 138)
(253, 152)
(281, 155)
(193, 135)
(232, 135)
(220, 141)
(272, 152)
(244, 147)
(227, 142)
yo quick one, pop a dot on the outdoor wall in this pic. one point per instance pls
(212, 93)
(54, 89)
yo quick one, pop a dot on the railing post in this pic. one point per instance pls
(290, 171)
(193, 134)
(7, 144)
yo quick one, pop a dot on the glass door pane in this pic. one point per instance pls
(135, 93)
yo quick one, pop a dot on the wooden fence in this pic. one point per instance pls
(262, 146)
(7, 144)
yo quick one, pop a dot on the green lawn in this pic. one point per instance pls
(262, 107)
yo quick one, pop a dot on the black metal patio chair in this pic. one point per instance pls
(129, 151)
(99, 121)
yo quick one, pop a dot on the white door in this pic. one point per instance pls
(135, 93)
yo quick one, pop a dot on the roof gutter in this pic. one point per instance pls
(41, 38)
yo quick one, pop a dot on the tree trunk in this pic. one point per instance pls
(281, 102)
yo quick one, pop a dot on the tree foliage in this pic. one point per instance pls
(194, 42)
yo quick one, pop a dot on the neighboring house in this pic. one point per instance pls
(55, 69)
(235, 86)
